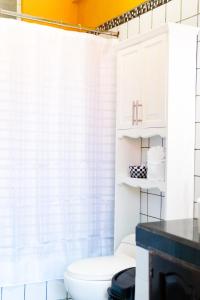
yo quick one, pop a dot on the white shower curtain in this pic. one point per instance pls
(57, 120)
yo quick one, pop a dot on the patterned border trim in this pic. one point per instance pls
(134, 13)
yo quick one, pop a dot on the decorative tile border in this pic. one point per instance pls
(134, 13)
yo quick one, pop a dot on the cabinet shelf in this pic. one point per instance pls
(143, 183)
(141, 133)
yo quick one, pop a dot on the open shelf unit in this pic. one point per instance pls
(142, 183)
(155, 97)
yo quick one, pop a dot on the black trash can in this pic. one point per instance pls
(123, 285)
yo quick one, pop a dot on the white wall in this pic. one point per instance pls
(52, 290)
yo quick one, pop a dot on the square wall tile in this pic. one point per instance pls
(197, 188)
(197, 162)
(198, 55)
(197, 143)
(145, 142)
(150, 219)
(133, 27)
(146, 22)
(13, 293)
(36, 291)
(196, 210)
(154, 206)
(159, 16)
(56, 290)
(155, 141)
(190, 21)
(143, 219)
(189, 8)
(143, 203)
(144, 155)
(123, 31)
(198, 82)
(173, 11)
(198, 109)
(155, 192)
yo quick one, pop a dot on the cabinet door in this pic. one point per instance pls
(173, 279)
(128, 86)
(154, 59)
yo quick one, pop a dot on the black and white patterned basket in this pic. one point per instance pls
(138, 171)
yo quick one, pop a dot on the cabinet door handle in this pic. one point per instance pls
(133, 113)
(137, 111)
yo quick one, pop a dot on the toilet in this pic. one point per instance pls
(89, 279)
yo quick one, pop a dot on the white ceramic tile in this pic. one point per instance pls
(197, 188)
(13, 293)
(198, 109)
(155, 141)
(142, 258)
(144, 155)
(195, 210)
(198, 82)
(189, 8)
(36, 291)
(154, 204)
(142, 289)
(145, 142)
(56, 290)
(173, 11)
(151, 220)
(146, 22)
(144, 203)
(198, 55)
(133, 27)
(123, 31)
(199, 26)
(197, 162)
(197, 143)
(143, 219)
(159, 15)
(154, 191)
(191, 21)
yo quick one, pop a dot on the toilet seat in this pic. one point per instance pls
(99, 268)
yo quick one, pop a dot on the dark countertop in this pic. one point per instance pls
(179, 238)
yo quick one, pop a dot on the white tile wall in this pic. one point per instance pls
(133, 27)
(11, 293)
(190, 21)
(197, 163)
(197, 109)
(52, 290)
(197, 144)
(189, 8)
(197, 190)
(35, 291)
(144, 204)
(158, 16)
(146, 22)
(173, 11)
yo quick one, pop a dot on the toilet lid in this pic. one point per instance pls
(99, 268)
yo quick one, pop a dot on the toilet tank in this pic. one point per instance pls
(127, 246)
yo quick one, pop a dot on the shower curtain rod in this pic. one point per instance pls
(57, 23)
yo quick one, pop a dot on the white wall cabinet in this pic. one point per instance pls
(156, 70)
(141, 84)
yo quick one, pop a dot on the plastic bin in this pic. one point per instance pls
(123, 285)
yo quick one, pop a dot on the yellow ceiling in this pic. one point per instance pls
(86, 12)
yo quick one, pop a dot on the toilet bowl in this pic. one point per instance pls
(88, 279)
